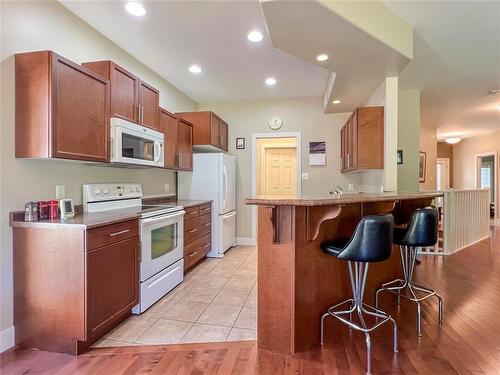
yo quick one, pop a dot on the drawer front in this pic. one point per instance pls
(195, 233)
(205, 209)
(109, 234)
(191, 212)
(196, 223)
(196, 250)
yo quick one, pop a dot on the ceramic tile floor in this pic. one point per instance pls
(217, 301)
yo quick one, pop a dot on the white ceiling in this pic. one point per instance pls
(456, 62)
(175, 34)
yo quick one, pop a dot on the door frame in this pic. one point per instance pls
(255, 137)
(447, 162)
(495, 178)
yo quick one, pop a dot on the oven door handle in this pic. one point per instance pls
(157, 219)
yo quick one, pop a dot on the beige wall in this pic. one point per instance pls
(303, 115)
(445, 150)
(464, 159)
(428, 144)
(29, 26)
(408, 131)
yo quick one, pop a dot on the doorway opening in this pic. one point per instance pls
(276, 167)
(486, 177)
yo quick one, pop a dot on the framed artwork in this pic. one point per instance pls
(399, 157)
(422, 166)
(317, 153)
(240, 143)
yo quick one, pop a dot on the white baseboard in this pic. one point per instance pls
(245, 241)
(7, 339)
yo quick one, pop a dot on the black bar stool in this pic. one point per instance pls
(422, 231)
(371, 242)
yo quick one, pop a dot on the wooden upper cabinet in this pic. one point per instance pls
(362, 140)
(61, 109)
(169, 126)
(131, 98)
(185, 145)
(209, 130)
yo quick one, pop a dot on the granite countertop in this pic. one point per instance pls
(87, 220)
(344, 199)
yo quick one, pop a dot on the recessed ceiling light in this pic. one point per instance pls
(498, 107)
(270, 81)
(336, 101)
(195, 69)
(453, 140)
(322, 57)
(135, 8)
(255, 36)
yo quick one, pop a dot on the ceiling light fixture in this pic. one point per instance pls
(255, 36)
(270, 81)
(195, 69)
(135, 8)
(453, 140)
(336, 101)
(322, 57)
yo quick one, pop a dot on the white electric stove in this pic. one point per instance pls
(161, 235)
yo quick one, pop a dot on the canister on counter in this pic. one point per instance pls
(53, 209)
(43, 210)
(31, 211)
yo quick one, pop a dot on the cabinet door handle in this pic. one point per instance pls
(192, 255)
(206, 224)
(348, 160)
(138, 113)
(120, 232)
(206, 245)
(193, 230)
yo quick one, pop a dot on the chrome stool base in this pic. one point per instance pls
(408, 289)
(356, 305)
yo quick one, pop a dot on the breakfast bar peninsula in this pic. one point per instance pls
(297, 282)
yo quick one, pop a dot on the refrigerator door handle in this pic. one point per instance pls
(229, 215)
(225, 188)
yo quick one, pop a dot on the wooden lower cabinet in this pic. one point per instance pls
(72, 285)
(197, 234)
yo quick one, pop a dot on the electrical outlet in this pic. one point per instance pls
(351, 187)
(60, 191)
(305, 176)
(166, 188)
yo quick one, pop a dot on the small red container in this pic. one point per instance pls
(53, 210)
(43, 210)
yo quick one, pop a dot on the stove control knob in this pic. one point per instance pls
(97, 191)
(132, 190)
(105, 191)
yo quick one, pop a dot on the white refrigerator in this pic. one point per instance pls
(214, 178)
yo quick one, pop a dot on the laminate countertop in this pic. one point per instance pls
(329, 200)
(89, 220)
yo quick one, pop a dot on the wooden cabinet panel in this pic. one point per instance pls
(197, 234)
(191, 212)
(169, 125)
(105, 235)
(124, 89)
(80, 118)
(61, 109)
(208, 129)
(196, 250)
(185, 146)
(149, 101)
(190, 226)
(205, 209)
(112, 283)
(362, 140)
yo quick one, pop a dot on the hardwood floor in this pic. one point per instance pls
(467, 342)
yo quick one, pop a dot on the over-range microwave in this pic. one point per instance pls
(135, 144)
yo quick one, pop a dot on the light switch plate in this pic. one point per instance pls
(305, 176)
(166, 187)
(60, 191)
(351, 187)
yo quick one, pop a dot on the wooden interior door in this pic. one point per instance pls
(81, 113)
(169, 124)
(280, 171)
(124, 94)
(149, 99)
(185, 146)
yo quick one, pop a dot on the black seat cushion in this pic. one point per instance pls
(371, 241)
(422, 229)
(334, 247)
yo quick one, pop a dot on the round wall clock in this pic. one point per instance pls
(275, 123)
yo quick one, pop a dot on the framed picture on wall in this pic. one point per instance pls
(422, 166)
(240, 143)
